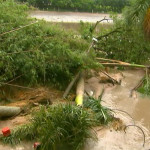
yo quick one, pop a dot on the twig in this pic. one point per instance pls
(112, 60)
(125, 113)
(138, 128)
(125, 65)
(14, 78)
(19, 86)
(18, 28)
(112, 32)
(90, 47)
(102, 93)
(137, 86)
(104, 19)
(110, 77)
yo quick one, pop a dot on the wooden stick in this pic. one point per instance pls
(14, 79)
(110, 77)
(16, 86)
(117, 30)
(137, 86)
(125, 65)
(18, 28)
(70, 85)
(112, 60)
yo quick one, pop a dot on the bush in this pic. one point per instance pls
(41, 52)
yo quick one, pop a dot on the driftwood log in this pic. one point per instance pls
(6, 111)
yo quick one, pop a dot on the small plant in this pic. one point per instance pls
(101, 114)
(145, 89)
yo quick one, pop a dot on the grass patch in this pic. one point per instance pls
(64, 126)
(145, 88)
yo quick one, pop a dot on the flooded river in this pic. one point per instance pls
(117, 97)
(72, 17)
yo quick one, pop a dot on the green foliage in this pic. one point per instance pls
(41, 52)
(100, 113)
(145, 89)
(80, 5)
(56, 127)
(85, 30)
(135, 12)
(126, 44)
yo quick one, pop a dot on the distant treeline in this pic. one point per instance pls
(80, 5)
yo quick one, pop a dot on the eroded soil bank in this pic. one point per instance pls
(115, 97)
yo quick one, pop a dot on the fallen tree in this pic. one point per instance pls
(8, 111)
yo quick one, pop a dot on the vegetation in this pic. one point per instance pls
(125, 39)
(101, 113)
(145, 88)
(40, 52)
(80, 5)
(63, 126)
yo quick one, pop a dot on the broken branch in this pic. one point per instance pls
(125, 65)
(18, 28)
(70, 85)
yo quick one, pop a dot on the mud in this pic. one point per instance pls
(118, 97)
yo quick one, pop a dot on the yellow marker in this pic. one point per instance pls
(79, 100)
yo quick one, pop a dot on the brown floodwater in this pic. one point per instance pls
(75, 17)
(117, 97)
(138, 107)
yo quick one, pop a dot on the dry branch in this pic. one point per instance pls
(117, 30)
(138, 128)
(124, 65)
(19, 86)
(104, 19)
(71, 84)
(137, 86)
(113, 80)
(17, 28)
(112, 60)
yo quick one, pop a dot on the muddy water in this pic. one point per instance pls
(138, 107)
(117, 97)
(75, 17)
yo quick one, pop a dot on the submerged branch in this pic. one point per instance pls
(137, 86)
(138, 128)
(110, 77)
